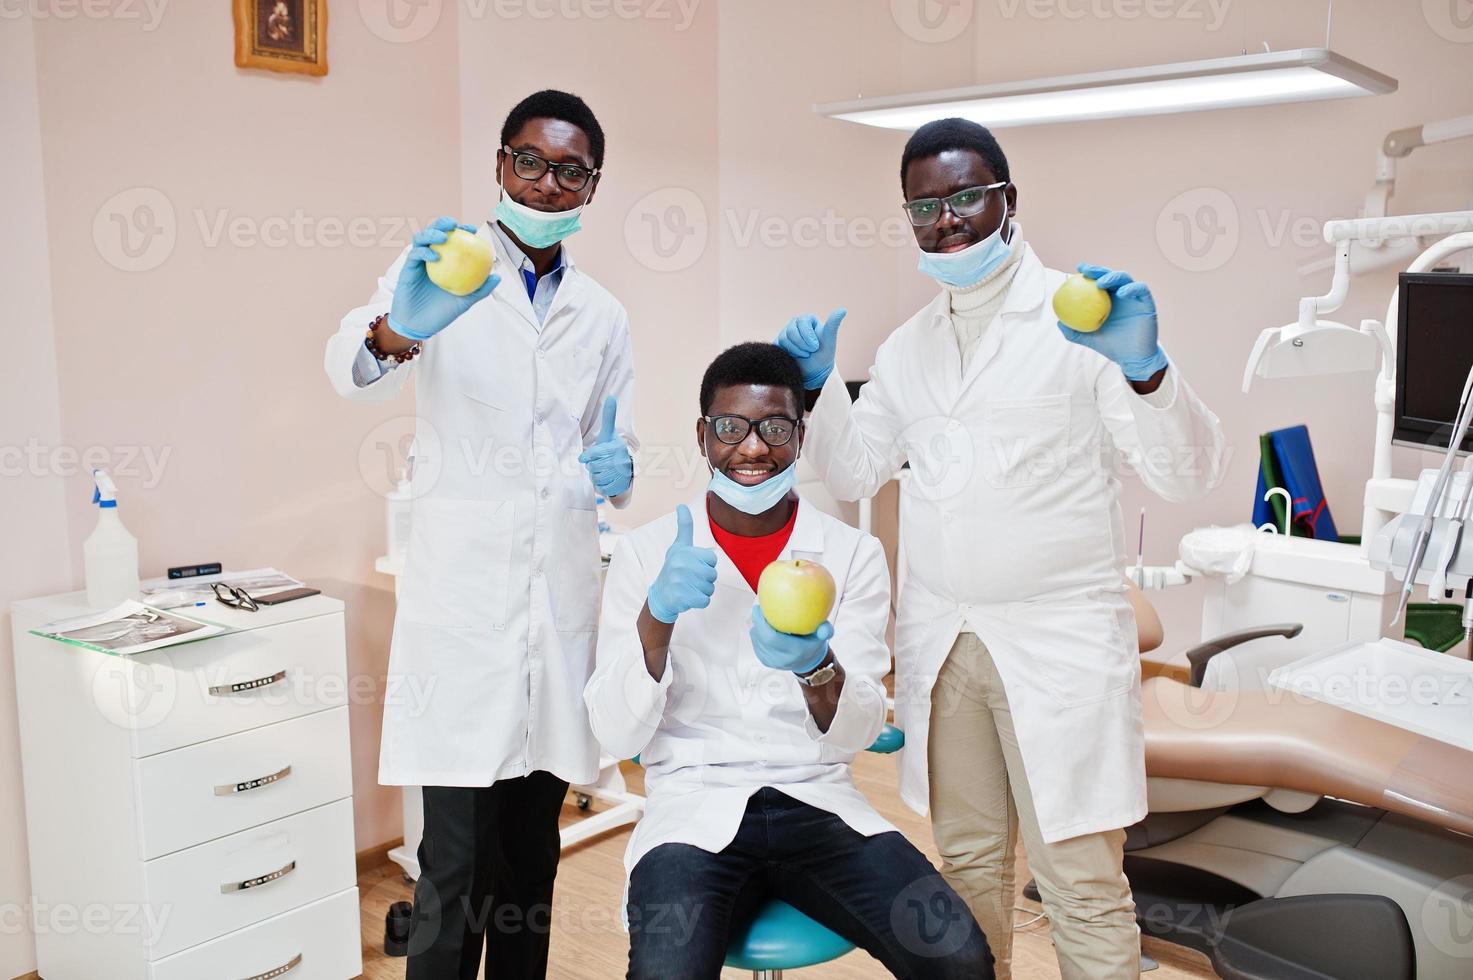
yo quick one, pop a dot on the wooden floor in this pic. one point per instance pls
(588, 944)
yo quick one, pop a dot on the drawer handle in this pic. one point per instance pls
(230, 789)
(266, 879)
(282, 970)
(221, 690)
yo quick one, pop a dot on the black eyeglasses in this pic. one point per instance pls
(963, 204)
(775, 430)
(530, 166)
(234, 598)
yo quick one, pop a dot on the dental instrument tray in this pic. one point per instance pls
(1399, 684)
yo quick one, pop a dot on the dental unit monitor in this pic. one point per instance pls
(1434, 349)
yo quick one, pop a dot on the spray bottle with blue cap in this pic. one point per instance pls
(110, 553)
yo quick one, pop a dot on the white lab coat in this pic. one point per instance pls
(498, 601)
(1012, 529)
(720, 725)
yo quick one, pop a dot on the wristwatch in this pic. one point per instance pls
(821, 675)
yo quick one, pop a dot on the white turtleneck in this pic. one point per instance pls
(974, 307)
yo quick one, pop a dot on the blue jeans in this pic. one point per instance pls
(880, 893)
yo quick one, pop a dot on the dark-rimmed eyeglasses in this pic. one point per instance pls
(531, 167)
(234, 598)
(775, 430)
(964, 203)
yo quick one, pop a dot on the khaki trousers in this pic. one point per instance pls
(980, 801)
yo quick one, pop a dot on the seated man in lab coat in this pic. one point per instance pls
(746, 733)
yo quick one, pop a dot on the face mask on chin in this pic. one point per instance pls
(969, 265)
(537, 229)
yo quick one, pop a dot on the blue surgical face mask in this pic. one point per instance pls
(969, 265)
(757, 499)
(537, 229)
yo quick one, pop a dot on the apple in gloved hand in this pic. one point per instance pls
(464, 263)
(1081, 305)
(796, 596)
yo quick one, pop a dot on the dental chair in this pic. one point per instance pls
(1289, 839)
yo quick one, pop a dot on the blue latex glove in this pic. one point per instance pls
(688, 577)
(609, 465)
(1128, 335)
(420, 308)
(784, 651)
(813, 345)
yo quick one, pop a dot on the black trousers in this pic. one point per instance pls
(486, 867)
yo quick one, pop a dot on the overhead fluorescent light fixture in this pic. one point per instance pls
(1305, 75)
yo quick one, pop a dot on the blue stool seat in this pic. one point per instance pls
(891, 739)
(779, 937)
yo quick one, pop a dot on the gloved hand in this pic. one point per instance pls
(420, 308)
(688, 577)
(1128, 335)
(784, 651)
(609, 465)
(813, 345)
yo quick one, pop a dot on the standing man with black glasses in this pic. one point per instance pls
(523, 408)
(1017, 673)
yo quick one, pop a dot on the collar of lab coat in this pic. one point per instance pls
(1025, 295)
(510, 290)
(807, 537)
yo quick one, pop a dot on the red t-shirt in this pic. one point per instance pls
(751, 555)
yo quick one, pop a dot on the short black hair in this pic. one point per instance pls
(752, 363)
(553, 104)
(954, 133)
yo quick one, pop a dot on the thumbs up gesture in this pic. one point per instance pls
(608, 462)
(812, 345)
(688, 577)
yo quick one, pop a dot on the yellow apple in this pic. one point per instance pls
(1081, 305)
(796, 596)
(464, 263)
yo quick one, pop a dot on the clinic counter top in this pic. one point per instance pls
(32, 613)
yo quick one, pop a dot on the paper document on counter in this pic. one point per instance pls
(164, 593)
(128, 628)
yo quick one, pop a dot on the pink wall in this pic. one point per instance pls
(201, 372)
(33, 557)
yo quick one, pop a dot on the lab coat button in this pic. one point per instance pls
(544, 493)
(953, 425)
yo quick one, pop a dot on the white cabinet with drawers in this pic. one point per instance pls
(189, 811)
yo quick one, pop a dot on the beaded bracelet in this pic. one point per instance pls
(373, 347)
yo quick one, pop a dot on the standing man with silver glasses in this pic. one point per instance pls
(1017, 674)
(499, 598)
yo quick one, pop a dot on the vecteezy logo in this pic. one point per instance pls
(1198, 230)
(929, 919)
(1451, 20)
(395, 445)
(135, 230)
(942, 457)
(666, 230)
(400, 21)
(932, 21)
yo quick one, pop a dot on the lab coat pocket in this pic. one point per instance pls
(458, 564)
(1025, 441)
(1083, 657)
(575, 597)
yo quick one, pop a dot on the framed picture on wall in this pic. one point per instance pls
(282, 35)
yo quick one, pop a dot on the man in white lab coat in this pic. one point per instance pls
(1017, 674)
(523, 402)
(746, 733)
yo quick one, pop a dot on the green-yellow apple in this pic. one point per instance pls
(464, 263)
(796, 596)
(1081, 305)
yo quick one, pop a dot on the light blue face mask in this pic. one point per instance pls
(757, 499)
(537, 229)
(969, 265)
